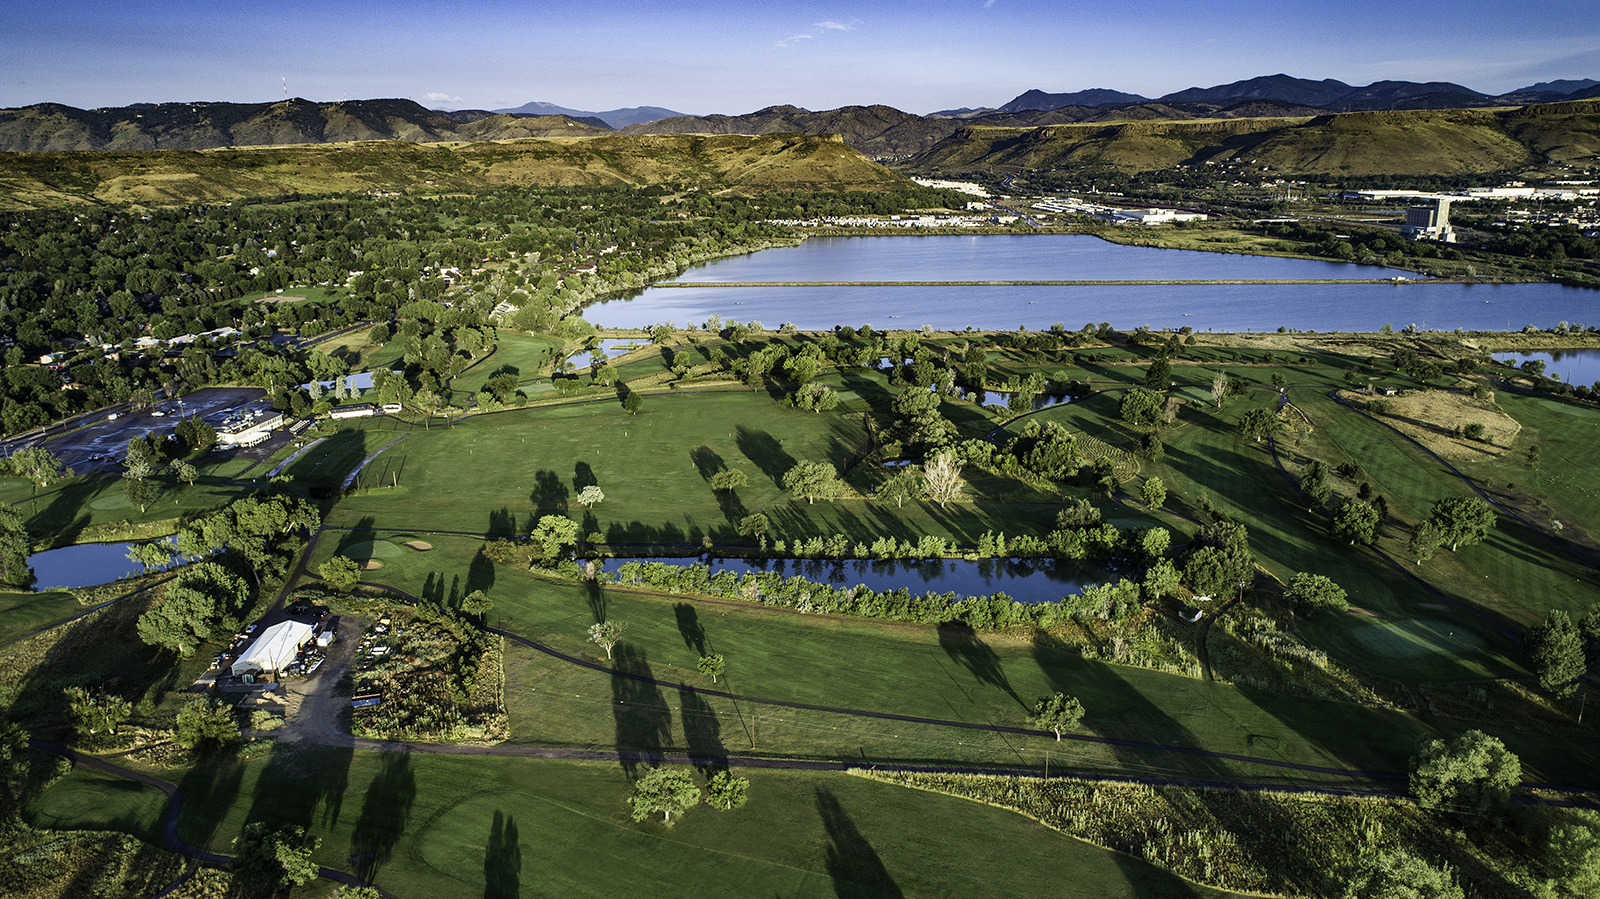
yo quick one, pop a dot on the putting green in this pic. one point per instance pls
(1417, 636)
(110, 503)
(371, 549)
(1568, 409)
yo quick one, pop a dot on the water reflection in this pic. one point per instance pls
(1575, 367)
(84, 565)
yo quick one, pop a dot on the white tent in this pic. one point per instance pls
(274, 649)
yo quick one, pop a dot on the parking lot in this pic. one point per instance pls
(102, 443)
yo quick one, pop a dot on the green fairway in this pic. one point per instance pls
(24, 612)
(90, 800)
(427, 825)
(529, 358)
(655, 469)
(1418, 637)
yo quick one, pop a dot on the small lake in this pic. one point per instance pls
(609, 348)
(1025, 580)
(1040, 400)
(1217, 307)
(83, 565)
(1576, 367)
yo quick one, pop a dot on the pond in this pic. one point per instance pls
(1025, 580)
(1576, 367)
(1040, 400)
(83, 565)
(1217, 307)
(609, 348)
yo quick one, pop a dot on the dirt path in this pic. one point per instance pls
(316, 710)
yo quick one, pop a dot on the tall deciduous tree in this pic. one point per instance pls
(1473, 773)
(1394, 874)
(39, 465)
(726, 792)
(14, 549)
(1153, 492)
(812, 481)
(1462, 520)
(900, 486)
(588, 496)
(269, 859)
(1315, 592)
(607, 634)
(1058, 714)
(1356, 522)
(1141, 406)
(664, 790)
(943, 473)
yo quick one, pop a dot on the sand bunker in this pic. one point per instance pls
(371, 565)
(420, 546)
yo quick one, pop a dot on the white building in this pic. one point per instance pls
(274, 649)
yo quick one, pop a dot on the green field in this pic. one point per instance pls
(24, 612)
(423, 824)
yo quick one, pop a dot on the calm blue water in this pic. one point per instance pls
(1573, 366)
(1243, 307)
(83, 565)
(1025, 580)
(609, 348)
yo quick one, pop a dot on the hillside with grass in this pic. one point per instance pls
(202, 126)
(157, 177)
(1358, 143)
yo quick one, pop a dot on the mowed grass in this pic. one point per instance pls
(83, 501)
(527, 357)
(1568, 437)
(24, 612)
(86, 799)
(440, 826)
(654, 469)
(922, 671)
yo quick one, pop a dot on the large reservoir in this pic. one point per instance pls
(1083, 258)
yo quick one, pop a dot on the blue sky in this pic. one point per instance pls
(734, 57)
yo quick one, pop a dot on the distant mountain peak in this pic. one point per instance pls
(1094, 96)
(613, 118)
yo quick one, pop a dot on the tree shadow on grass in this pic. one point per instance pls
(385, 814)
(856, 869)
(766, 452)
(643, 719)
(689, 626)
(549, 494)
(707, 461)
(502, 859)
(296, 780)
(702, 732)
(962, 644)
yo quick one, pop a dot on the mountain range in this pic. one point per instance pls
(1328, 94)
(881, 132)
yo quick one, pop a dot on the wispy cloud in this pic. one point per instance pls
(817, 30)
(988, 4)
(441, 97)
